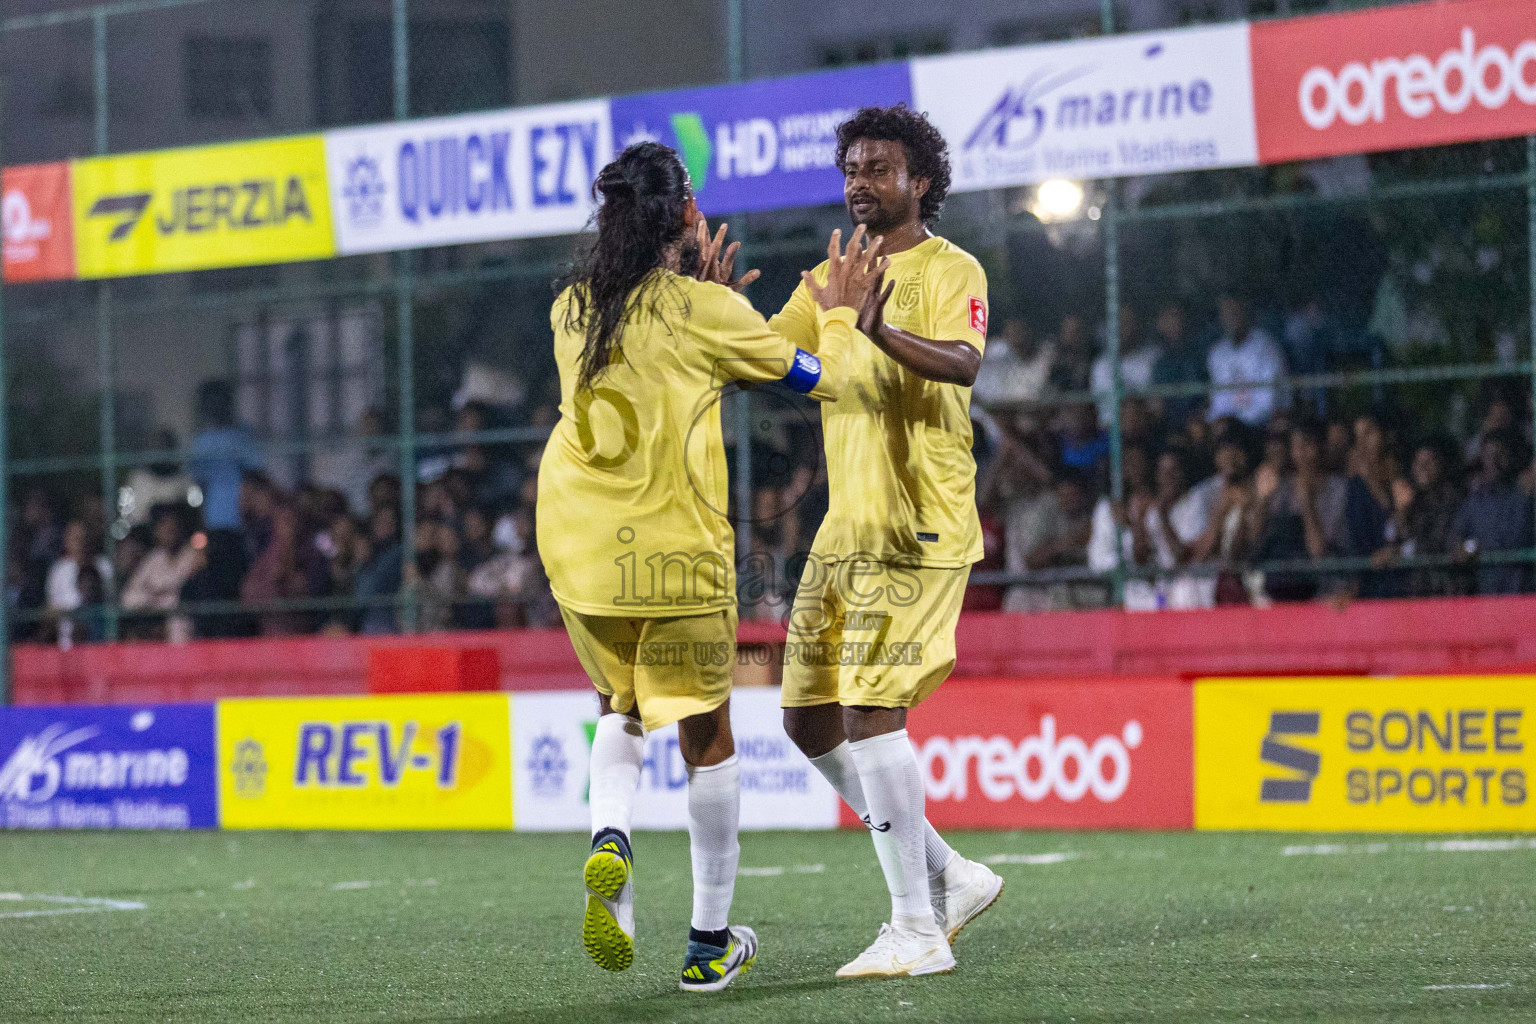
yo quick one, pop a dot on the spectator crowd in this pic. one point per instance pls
(1236, 488)
(217, 548)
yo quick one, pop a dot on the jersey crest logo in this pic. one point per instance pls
(909, 293)
(978, 316)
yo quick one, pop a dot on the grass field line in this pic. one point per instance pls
(71, 904)
(1032, 858)
(774, 871)
(1431, 846)
(1447, 988)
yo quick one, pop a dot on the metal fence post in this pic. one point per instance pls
(405, 336)
(741, 403)
(1530, 257)
(1111, 217)
(5, 477)
(106, 362)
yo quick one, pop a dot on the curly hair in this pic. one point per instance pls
(927, 152)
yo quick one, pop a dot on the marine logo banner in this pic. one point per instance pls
(760, 145)
(107, 767)
(475, 177)
(239, 204)
(366, 762)
(1146, 103)
(1401, 755)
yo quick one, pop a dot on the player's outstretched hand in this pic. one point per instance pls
(851, 273)
(716, 264)
(872, 312)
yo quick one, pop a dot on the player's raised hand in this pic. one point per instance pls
(872, 312)
(717, 261)
(851, 273)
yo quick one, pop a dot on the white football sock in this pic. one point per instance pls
(714, 815)
(893, 785)
(837, 767)
(618, 748)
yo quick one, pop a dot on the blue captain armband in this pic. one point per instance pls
(804, 374)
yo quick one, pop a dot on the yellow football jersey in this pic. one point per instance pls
(901, 476)
(633, 486)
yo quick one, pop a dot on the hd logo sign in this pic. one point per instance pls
(366, 762)
(1408, 754)
(213, 206)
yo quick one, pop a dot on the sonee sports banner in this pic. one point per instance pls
(1366, 755)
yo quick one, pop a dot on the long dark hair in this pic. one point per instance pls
(643, 198)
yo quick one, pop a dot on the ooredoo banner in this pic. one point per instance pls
(504, 174)
(36, 240)
(366, 762)
(1394, 78)
(1398, 755)
(107, 767)
(1056, 754)
(1146, 103)
(552, 737)
(760, 145)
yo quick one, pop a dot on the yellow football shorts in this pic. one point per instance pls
(670, 669)
(871, 634)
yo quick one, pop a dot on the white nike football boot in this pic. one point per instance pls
(901, 953)
(962, 893)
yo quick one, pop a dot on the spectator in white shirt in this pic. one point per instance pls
(1176, 519)
(1246, 354)
(63, 586)
(156, 584)
(1138, 354)
(1016, 368)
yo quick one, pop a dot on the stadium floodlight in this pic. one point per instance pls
(1057, 199)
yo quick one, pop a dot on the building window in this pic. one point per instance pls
(868, 51)
(1036, 30)
(228, 77)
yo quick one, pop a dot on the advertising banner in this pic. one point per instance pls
(1394, 78)
(760, 145)
(1047, 754)
(36, 241)
(107, 767)
(230, 205)
(1146, 103)
(470, 178)
(1397, 755)
(366, 762)
(552, 737)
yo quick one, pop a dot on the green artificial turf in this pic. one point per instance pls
(483, 928)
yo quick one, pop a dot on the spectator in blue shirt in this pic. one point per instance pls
(222, 453)
(1083, 445)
